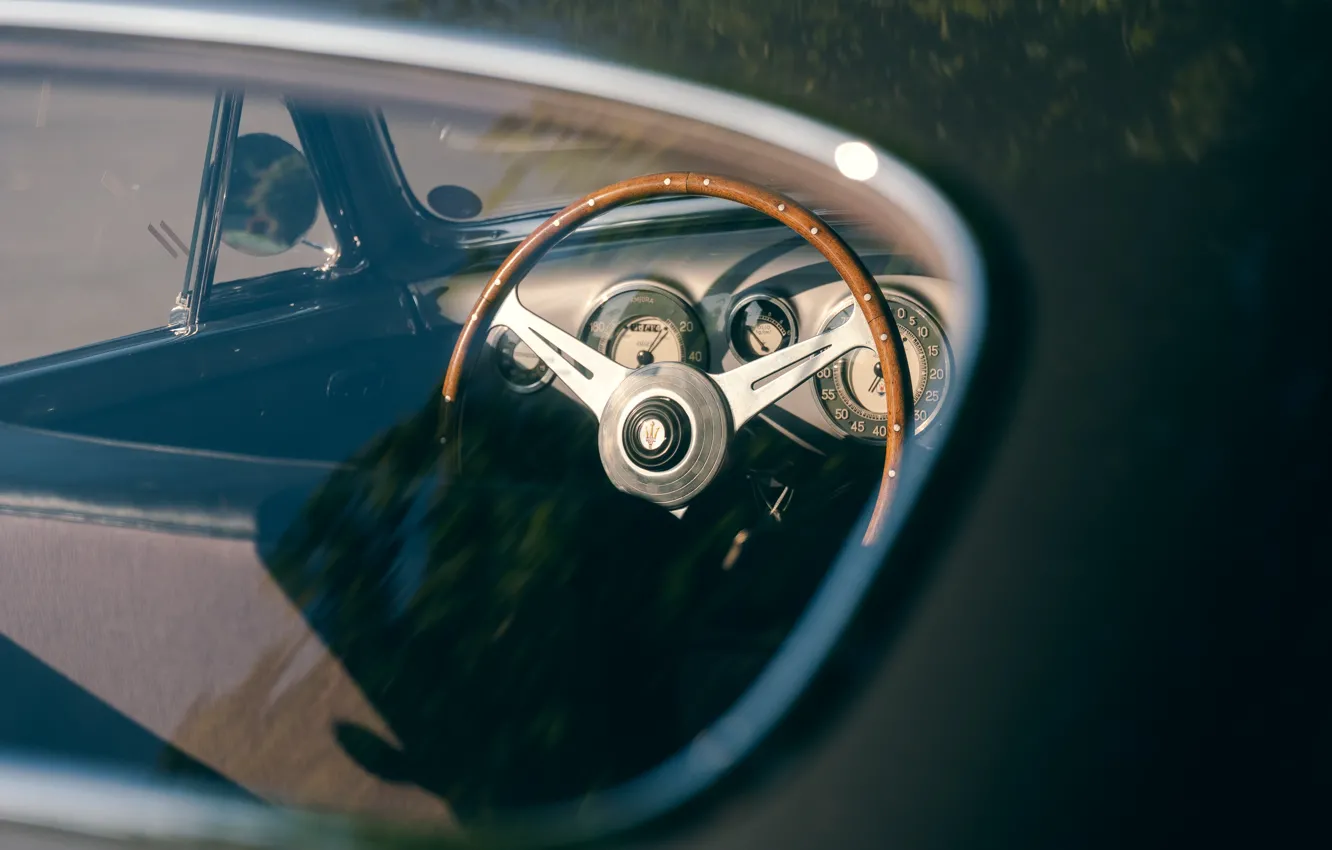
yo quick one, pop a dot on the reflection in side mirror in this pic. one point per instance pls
(272, 200)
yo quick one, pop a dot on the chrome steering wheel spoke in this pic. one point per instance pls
(750, 388)
(588, 373)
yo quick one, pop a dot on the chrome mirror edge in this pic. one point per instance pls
(894, 183)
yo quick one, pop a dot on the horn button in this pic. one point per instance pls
(664, 433)
(656, 434)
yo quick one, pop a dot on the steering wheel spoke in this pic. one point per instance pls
(587, 372)
(755, 385)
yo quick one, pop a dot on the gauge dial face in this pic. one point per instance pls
(760, 326)
(517, 364)
(852, 390)
(644, 325)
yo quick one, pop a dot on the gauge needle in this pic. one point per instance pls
(661, 334)
(761, 346)
(878, 378)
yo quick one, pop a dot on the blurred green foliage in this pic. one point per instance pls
(1010, 86)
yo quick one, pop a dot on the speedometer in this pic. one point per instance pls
(645, 324)
(852, 392)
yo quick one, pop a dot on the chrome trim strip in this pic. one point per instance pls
(126, 807)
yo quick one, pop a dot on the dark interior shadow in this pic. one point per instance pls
(528, 633)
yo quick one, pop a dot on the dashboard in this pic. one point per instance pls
(714, 301)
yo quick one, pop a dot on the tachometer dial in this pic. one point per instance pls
(646, 324)
(761, 325)
(852, 390)
(517, 364)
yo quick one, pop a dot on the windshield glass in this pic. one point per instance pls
(488, 162)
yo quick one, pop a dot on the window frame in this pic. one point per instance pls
(207, 235)
(196, 299)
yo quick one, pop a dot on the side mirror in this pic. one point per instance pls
(272, 200)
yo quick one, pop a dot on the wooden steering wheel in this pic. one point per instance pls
(664, 428)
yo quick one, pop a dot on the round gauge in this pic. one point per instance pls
(646, 324)
(852, 390)
(761, 325)
(517, 364)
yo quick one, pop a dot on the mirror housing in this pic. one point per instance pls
(272, 200)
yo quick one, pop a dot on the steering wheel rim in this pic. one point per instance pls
(594, 379)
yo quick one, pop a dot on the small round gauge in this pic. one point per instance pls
(761, 325)
(852, 390)
(517, 364)
(645, 324)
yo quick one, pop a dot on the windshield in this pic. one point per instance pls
(464, 164)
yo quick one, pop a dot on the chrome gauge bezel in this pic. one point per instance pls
(585, 327)
(946, 352)
(780, 303)
(493, 337)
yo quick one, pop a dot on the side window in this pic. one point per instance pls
(275, 220)
(98, 193)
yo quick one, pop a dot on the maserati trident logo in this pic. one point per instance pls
(651, 434)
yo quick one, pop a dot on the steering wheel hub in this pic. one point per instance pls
(664, 433)
(657, 434)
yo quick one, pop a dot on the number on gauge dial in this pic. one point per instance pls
(647, 324)
(851, 390)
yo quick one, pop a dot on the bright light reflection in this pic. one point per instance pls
(856, 160)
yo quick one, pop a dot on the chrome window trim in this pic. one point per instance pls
(126, 807)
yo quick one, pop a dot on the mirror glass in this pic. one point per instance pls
(297, 581)
(272, 199)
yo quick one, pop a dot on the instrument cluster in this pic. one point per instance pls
(640, 322)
